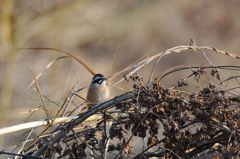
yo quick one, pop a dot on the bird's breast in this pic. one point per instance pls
(98, 94)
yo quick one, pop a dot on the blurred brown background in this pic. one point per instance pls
(108, 36)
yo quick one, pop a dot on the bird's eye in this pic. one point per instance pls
(98, 81)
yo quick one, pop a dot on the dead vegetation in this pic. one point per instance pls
(170, 122)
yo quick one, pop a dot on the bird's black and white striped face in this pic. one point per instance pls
(99, 80)
(98, 91)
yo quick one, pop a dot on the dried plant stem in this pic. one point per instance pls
(177, 49)
(162, 106)
(54, 121)
(79, 120)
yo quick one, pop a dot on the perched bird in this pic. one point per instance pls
(193, 43)
(98, 91)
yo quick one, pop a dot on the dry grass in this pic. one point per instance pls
(194, 124)
(107, 36)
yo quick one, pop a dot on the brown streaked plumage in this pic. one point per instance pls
(193, 43)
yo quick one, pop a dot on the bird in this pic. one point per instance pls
(98, 91)
(193, 43)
